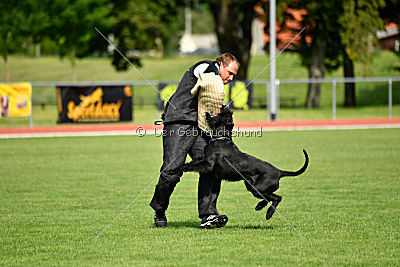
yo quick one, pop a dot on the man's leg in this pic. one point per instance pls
(208, 190)
(175, 149)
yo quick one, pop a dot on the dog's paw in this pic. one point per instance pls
(261, 205)
(270, 212)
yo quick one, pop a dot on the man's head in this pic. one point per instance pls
(228, 66)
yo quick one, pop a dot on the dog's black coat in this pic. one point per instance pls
(226, 161)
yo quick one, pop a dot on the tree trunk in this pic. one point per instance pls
(234, 36)
(316, 71)
(160, 47)
(350, 88)
(73, 62)
(5, 57)
(7, 69)
(37, 50)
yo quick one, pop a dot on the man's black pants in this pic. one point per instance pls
(178, 141)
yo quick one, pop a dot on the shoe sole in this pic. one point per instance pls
(218, 222)
(161, 223)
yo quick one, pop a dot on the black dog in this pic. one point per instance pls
(226, 161)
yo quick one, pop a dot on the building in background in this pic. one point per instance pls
(390, 38)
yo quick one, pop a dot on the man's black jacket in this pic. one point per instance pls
(184, 102)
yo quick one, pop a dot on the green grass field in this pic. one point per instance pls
(57, 194)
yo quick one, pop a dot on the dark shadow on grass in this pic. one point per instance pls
(251, 227)
(196, 225)
(187, 224)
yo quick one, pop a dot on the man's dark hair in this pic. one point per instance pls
(226, 59)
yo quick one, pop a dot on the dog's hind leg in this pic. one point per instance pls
(275, 201)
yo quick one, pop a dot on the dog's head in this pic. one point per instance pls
(222, 121)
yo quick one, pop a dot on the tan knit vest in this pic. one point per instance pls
(210, 89)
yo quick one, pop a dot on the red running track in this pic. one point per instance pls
(132, 129)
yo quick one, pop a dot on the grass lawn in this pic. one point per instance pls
(57, 194)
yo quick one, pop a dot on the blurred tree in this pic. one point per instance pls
(202, 19)
(320, 41)
(38, 21)
(73, 27)
(12, 29)
(339, 32)
(143, 25)
(359, 22)
(233, 19)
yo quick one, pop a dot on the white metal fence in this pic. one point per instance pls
(334, 81)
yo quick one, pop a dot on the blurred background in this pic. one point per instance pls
(53, 41)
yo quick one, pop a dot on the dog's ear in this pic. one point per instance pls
(225, 109)
(224, 106)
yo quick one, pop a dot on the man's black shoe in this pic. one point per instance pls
(160, 219)
(214, 221)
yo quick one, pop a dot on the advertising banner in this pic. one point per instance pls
(94, 103)
(239, 91)
(15, 99)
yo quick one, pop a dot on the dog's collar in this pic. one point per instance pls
(220, 138)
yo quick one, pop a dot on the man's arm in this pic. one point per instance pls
(206, 68)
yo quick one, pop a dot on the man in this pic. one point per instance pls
(182, 137)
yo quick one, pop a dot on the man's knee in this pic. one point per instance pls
(169, 178)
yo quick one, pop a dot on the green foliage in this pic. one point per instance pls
(359, 22)
(202, 19)
(73, 26)
(321, 24)
(348, 25)
(143, 25)
(13, 27)
(39, 19)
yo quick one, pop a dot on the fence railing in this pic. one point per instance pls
(334, 82)
(278, 82)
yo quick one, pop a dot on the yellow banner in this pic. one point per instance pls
(15, 99)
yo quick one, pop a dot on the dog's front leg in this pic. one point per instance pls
(195, 166)
(261, 204)
(204, 165)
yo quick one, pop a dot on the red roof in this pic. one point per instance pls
(287, 30)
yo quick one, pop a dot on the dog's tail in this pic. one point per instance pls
(303, 169)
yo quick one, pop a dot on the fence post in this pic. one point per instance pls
(31, 115)
(333, 100)
(267, 104)
(278, 103)
(390, 98)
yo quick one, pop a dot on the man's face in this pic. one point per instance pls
(227, 73)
